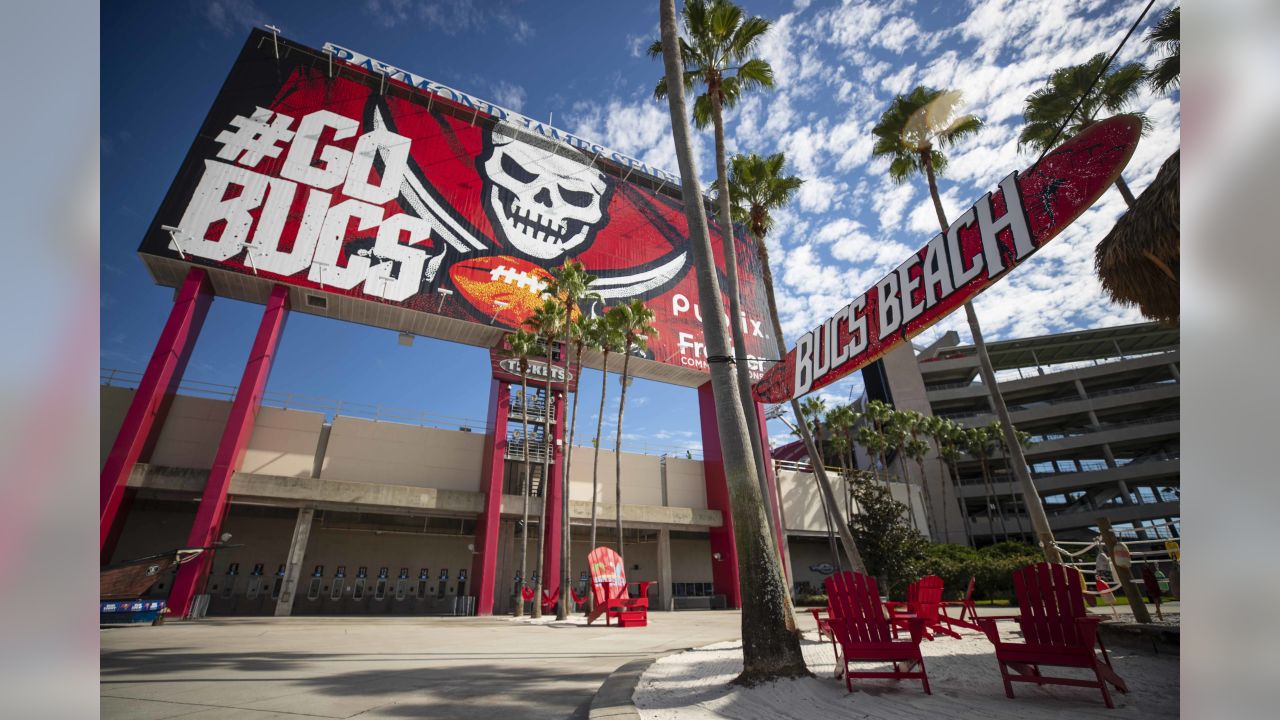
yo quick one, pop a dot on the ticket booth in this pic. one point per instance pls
(422, 592)
(380, 602)
(311, 602)
(223, 591)
(356, 601)
(401, 599)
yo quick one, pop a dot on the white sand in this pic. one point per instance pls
(576, 618)
(963, 675)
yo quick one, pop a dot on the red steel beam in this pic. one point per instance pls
(231, 449)
(160, 380)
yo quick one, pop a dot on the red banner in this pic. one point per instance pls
(1000, 231)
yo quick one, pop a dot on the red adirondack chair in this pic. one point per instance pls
(924, 599)
(1057, 629)
(968, 617)
(861, 629)
(612, 591)
(823, 623)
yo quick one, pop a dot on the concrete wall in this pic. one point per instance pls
(114, 404)
(690, 560)
(366, 451)
(191, 431)
(283, 443)
(801, 504)
(333, 547)
(686, 484)
(641, 478)
(806, 554)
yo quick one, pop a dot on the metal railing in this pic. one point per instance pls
(1058, 401)
(1009, 374)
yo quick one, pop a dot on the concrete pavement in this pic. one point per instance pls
(256, 668)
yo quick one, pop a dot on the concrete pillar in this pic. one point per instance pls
(724, 549)
(484, 564)
(159, 381)
(214, 502)
(664, 569)
(293, 563)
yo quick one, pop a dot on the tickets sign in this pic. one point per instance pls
(982, 245)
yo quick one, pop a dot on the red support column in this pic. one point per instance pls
(771, 479)
(484, 563)
(161, 378)
(724, 571)
(552, 527)
(235, 438)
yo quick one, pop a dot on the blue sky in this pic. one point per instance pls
(837, 65)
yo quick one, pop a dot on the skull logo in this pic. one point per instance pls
(541, 204)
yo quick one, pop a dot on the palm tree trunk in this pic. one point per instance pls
(819, 472)
(770, 650)
(595, 464)
(528, 480)
(906, 480)
(542, 491)
(1125, 192)
(993, 499)
(1039, 520)
(566, 557)
(617, 455)
(736, 320)
(964, 513)
(942, 473)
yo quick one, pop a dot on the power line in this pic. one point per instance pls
(1052, 143)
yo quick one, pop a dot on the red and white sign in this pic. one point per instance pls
(1000, 231)
(324, 175)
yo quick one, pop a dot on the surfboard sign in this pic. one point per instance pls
(1002, 229)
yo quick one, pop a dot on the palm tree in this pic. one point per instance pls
(917, 449)
(898, 433)
(520, 345)
(1166, 34)
(979, 443)
(717, 50)
(1050, 107)
(569, 285)
(771, 643)
(635, 321)
(1024, 440)
(949, 438)
(909, 134)
(607, 338)
(758, 187)
(875, 443)
(881, 414)
(545, 322)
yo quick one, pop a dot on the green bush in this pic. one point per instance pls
(992, 566)
(811, 601)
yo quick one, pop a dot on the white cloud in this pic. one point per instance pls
(892, 202)
(509, 95)
(820, 194)
(235, 17)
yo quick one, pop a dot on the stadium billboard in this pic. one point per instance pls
(344, 179)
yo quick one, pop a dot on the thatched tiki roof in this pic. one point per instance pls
(1137, 261)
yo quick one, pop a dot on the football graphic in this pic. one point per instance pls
(502, 286)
